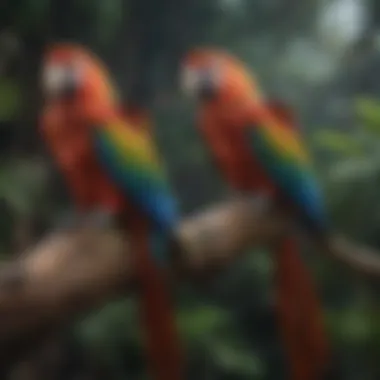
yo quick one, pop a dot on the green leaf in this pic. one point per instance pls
(368, 110)
(10, 99)
(238, 360)
(337, 142)
(199, 323)
(110, 325)
(354, 169)
(351, 326)
(21, 183)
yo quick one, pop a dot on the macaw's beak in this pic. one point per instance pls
(59, 81)
(208, 89)
(199, 83)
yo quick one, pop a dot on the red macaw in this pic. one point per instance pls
(112, 166)
(258, 149)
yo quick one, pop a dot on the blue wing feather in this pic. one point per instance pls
(149, 190)
(292, 176)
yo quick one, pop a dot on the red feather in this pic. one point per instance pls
(282, 112)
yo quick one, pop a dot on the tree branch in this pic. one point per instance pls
(73, 272)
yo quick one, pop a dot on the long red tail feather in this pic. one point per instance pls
(158, 318)
(300, 316)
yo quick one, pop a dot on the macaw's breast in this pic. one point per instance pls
(225, 135)
(68, 137)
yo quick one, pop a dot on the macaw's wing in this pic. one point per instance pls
(282, 112)
(282, 155)
(137, 116)
(130, 159)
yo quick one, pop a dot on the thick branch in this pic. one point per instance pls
(73, 272)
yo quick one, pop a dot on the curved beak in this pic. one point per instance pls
(199, 83)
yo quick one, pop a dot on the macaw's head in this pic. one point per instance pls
(212, 74)
(69, 71)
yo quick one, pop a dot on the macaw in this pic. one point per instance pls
(113, 167)
(257, 147)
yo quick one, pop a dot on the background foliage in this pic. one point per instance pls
(322, 56)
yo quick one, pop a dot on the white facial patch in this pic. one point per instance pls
(194, 80)
(190, 81)
(54, 79)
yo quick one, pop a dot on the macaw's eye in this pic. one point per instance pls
(208, 83)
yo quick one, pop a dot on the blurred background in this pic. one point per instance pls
(320, 56)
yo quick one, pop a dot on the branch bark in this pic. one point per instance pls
(73, 272)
